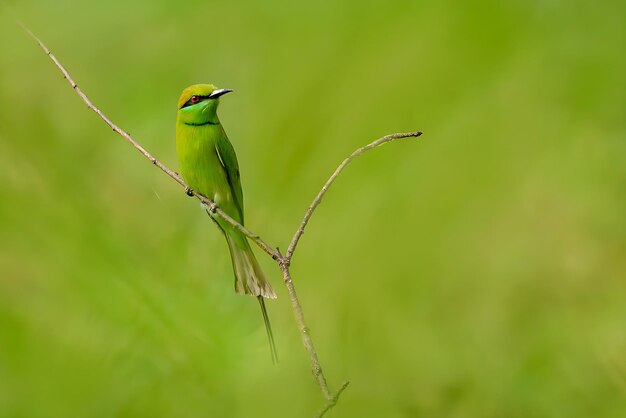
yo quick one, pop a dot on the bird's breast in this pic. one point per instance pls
(199, 162)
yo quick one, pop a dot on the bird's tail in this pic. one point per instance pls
(249, 278)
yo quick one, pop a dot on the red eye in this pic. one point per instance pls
(195, 99)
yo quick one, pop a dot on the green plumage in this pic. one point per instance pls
(208, 164)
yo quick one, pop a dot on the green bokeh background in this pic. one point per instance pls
(477, 272)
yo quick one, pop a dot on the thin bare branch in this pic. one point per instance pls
(329, 182)
(316, 368)
(283, 261)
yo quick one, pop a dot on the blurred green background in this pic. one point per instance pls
(477, 272)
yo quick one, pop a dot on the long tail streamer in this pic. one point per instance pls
(268, 327)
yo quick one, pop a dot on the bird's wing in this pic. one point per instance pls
(228, 158)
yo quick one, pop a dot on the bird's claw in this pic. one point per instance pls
(188, 191)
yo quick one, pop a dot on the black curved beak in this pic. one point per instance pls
(219, 92)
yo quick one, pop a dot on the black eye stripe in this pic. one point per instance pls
(189, 102)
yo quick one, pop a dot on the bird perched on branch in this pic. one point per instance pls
(208, 164)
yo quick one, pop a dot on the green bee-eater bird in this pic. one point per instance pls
(209, 166)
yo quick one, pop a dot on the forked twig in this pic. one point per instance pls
(332, 400)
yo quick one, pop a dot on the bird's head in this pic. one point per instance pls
(197, 104)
